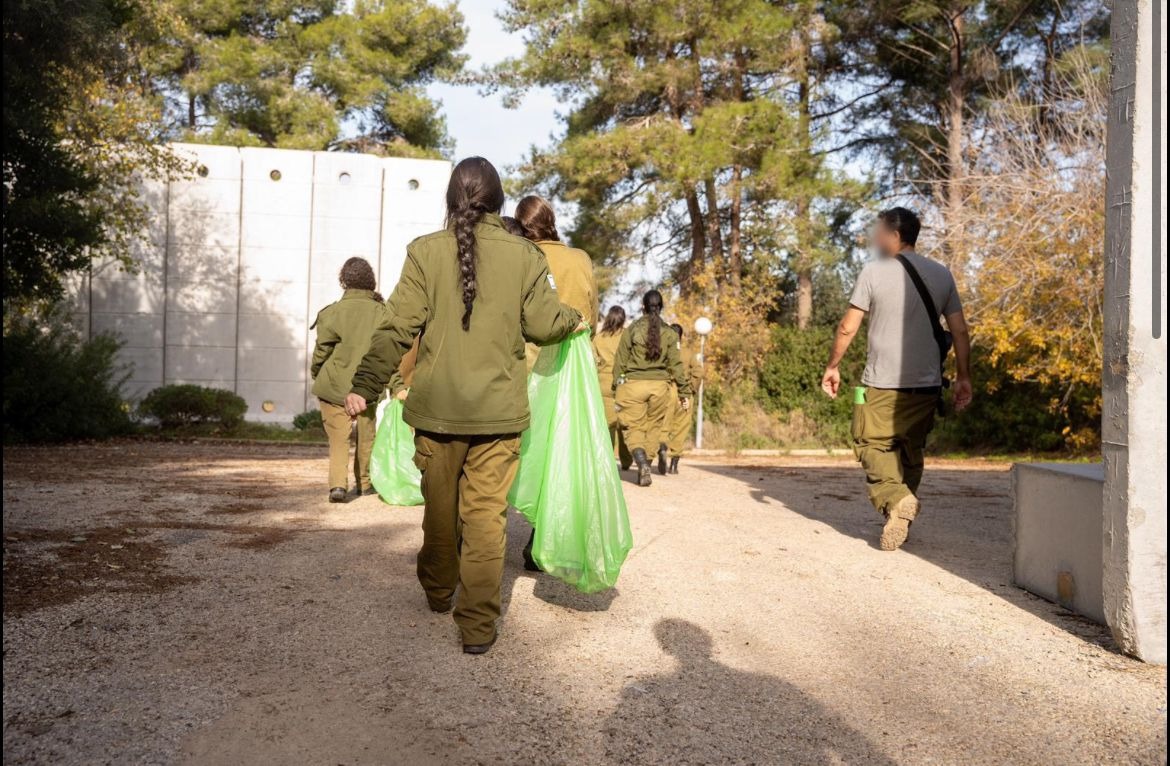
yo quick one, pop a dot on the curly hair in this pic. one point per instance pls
(357, 274)
(652, 308)
(537, 218)
(474, 191)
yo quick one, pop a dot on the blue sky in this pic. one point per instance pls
(480, 124)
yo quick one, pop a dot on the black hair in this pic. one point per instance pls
(357, 274)
(512, 226)
(538, 218)
(474, 191)
(615, 321)
(652, 308)
(678, 329)
(903, 222)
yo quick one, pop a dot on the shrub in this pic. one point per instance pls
(58, 386)
(180, 406)
(309, 421)
(790, 381)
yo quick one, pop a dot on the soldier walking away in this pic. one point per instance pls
(904, 294)
(474, 293)
(343, 337)
(678, 418)
(646, 363)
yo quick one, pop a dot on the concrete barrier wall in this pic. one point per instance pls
(239, 259)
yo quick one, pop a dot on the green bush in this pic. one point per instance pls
(309, 421)
(180, 406)
(58, 386)
(790, 380)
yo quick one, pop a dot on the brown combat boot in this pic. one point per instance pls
(897, 527)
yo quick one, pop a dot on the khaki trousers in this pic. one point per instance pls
(642, 408)
(465, 483)
(889, 438)
(615, 432)
(338, 426)
(678, 425)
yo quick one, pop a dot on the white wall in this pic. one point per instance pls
(239, 259)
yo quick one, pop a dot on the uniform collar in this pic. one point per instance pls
(355, 293)
(491, 219)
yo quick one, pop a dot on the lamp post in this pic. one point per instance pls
(703, 328)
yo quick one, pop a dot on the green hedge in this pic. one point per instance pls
(58, 386)
(180, 406)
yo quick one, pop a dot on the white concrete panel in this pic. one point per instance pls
(145, 365)
(288, 300)
(201, 330)
(351, 236)
(279, 364)
(272, 331)
(348, 186)
(195, 228)
(220, 162)
(288, 399)
(1057, 529)
(395, 238)
(198, 296)
(200, 362)
(153, 194)
(127, 295)
(415, 190)
(135, 330)
(206, 196)
(287, 232)
(285, 198)
(197, 262)
(272, 264)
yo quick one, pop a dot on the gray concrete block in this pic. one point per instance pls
(200, 363)
(201, 329)
(135, 330)
(1058, 548)
(285, 365)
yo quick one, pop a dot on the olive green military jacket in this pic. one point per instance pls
(344, 330)
(475, 381)
(631, 362)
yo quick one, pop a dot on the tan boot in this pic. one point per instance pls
(897, 527)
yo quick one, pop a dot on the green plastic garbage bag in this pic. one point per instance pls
(568, 484)
(392, 469)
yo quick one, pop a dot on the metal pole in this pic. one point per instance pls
(703, 371)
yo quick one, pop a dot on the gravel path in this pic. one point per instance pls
(202, 603)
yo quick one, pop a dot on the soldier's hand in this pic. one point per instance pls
(684, 403)
(355, 405)
(401, 395)
(831, 381)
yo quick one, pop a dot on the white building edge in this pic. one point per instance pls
(240, 258)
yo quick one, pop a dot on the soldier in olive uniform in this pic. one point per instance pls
(647, 361)
(475, 293)
(605, 346)
(344, 329)
(678, 418)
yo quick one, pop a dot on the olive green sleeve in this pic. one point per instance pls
(544, 320)
(674, 363)
(405, 317)
(327, 338)
(622, 356)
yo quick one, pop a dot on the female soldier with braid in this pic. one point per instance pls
(647, 361)
(475, 293)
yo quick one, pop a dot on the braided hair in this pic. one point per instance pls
(652, 308)
(474, 191)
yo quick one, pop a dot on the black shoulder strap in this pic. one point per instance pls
(932, 313)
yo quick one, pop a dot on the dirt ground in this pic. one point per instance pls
(203, 604)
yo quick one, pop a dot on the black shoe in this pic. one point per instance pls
(441, 608)
(661, 459)
(673, 465)
(369, 491)
(643, 463)
(479, 648)
(529, 562)
(337, 495)
(627, 463)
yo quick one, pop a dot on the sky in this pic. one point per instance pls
(480, 124)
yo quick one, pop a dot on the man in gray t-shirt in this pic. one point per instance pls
(894, 412)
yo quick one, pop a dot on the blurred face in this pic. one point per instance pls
(886, 241)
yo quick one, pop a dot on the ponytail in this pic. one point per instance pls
(652, 308)
(474, 191)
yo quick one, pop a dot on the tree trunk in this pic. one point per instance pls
(714, 225)
(804, 261)
(956, 165)
(698, 238)
(734, 249)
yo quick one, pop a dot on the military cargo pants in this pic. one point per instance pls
(338, 426)
(611, 418)
(889, 438)
(678, 425)
(465, 483)
(642, 409)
